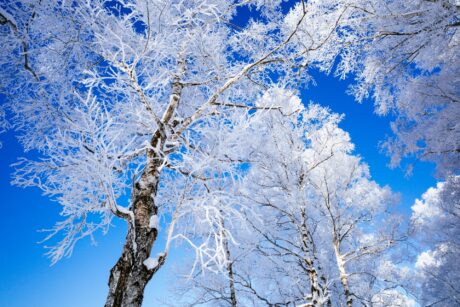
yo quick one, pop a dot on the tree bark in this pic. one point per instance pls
(129, 276)
(343, 275)
(231, 277)
(318, 283)
(232, 285)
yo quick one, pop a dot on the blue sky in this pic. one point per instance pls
(81, 280)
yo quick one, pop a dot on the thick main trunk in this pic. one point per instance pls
(130, 275)
(128, 279)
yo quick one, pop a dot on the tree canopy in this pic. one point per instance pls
(186, 114)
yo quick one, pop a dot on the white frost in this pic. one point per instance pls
(150, 263)
(154, 222)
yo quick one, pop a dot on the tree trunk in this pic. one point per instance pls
(231, 277)
(314, 284)
(129, 276)
(318, 284)
(343, 275)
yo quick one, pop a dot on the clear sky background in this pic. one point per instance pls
(26, 278)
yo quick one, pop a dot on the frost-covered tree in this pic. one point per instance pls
(436, 221)
(358, 219)
(278, 183)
